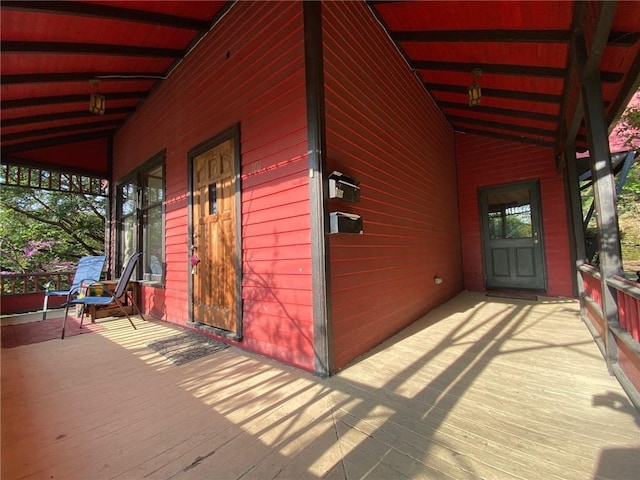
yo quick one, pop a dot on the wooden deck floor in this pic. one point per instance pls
(479, 388)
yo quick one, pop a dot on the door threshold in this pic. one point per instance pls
(516, 295)
(219, 332)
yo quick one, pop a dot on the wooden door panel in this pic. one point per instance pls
(214, 216)
(500, 262)
(525, 263)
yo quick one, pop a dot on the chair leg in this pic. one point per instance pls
(139, 312)
(44, 306)
(64, 320)
(124, 310)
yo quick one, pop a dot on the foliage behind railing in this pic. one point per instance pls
(34, 282)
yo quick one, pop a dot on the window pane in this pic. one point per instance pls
(153, 187)
(127, 239)
(213, 199)
(153, 237)
(127, 198)
(140, 220)
(510, 214)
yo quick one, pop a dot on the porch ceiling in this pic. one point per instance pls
(524, 52)
(51, 51)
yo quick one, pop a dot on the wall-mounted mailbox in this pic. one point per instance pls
(343, 187)
(341, 222)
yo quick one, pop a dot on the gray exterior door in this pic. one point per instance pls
(513, 247)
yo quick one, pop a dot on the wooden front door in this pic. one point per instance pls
(214, 265)
(512, 237)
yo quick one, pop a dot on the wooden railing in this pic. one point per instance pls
(26, 283)
(45, 179)
(628, 305)
(24, 292)
(619, 338)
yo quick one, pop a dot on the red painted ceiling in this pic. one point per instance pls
(51, 50)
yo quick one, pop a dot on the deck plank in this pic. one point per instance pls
(479, 388)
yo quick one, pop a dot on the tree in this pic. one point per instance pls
(45, 230)
(628, 131)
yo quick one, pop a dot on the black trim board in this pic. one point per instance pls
(318, 188)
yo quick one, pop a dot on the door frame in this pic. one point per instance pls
(232, 133)
(534, 185)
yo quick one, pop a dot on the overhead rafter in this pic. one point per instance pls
(89, 49)
(65, 128)
(12, 122)
(544, 117)
(507, 36)
(60, 99)
(29, 144)
(498, 93)
(503, 126)
(14, 79)
(512, 138)
(458, 36)
(501, 69)
(106, 11)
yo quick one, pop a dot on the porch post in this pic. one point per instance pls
(320, 264)
(574, 201)
(605, 201)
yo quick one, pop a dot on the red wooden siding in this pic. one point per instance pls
(484, 161)
(235, 76)
(383, 129)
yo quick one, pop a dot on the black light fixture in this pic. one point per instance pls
(475, 93)
(97, 102)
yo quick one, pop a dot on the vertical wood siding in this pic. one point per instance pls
(484, 161)
(384, 130)
(249, 70)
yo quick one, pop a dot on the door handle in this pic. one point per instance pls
(194, 262)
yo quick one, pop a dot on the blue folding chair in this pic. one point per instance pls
(108, 296)
(89, 270)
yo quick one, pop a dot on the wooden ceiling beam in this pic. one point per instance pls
(509, 36)
(65, 128)
(620, 39)
(502, 69)
(49, 117)
(498, 93)
(497, 69)
(89, 49)
(106, 11)
(501, 136)
(21, 78)
(60, 99)
(544, 117)
(8, 150)
(542, 132)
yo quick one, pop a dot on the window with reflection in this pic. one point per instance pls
(140, 219)
(510, 214)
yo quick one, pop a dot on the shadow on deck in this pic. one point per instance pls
(479, 388)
